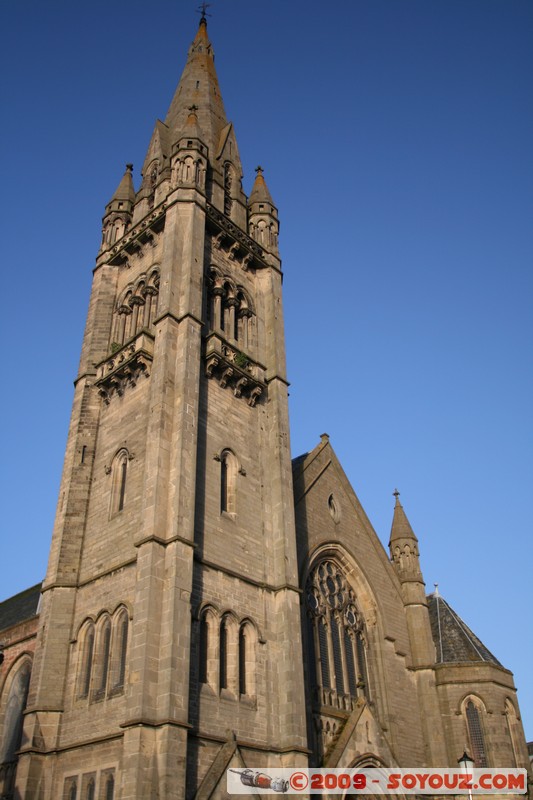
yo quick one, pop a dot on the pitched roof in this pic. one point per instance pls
(454, 641)
(21, 607)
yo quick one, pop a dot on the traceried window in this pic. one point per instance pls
(475, 734)
(337, 635)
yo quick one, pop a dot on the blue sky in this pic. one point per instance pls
(395, 136)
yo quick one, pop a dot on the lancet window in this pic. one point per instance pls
(475, 734)
(228, 482)
(119, 478)
(103, 648)
(226, 653)
(136, 309)
(337, 635)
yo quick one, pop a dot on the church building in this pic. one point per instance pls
(209, 603)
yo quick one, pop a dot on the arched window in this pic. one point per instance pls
(89, 792)
(71, 789)
(119, 476)
(475, 734)
(209, 656)
(246, 658)
(337, 636)
(203, 649)
(228, 482)
(13, 709)
(110, 788)
(120, 646)
(223, 649)
(514, 731)
(86, 661)
(103, 654)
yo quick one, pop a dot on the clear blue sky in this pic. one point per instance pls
(396, 138)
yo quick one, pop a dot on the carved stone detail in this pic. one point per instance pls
(124, 368)
(250, 253)
(234, 369)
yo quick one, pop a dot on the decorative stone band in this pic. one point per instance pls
(234, 369)
(124, 368)
(240, 245)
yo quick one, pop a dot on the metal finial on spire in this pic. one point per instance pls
(202, 9)
(436, 592)
(259, 170)
(129, 167)
(396, 493)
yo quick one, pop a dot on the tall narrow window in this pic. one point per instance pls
(361, 662)
(224, 488)
(242, 661)
(103, 655)
(120, 647)
(223, 669)
(110, 788)
(73, 790)
(89, 794)
(203, 649)
(324, 657)
(87, 661)
(119, 476)
(475, 733)
(350, 662)
(122, 489)
(337, 658)
(228, 480)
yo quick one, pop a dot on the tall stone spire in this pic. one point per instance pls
(199, 87)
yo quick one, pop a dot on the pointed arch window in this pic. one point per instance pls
(90, 791)
(228, 482)
(119, 477)
(246, 659)
(86, 661)
(120, 647)
(110, 788)
(337, 637)
(203, 649)
(475, 734)
(223, 664)
(104, 653)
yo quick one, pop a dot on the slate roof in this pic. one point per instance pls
(21, 607)
(454, 641)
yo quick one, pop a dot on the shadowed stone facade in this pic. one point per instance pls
(207, 603)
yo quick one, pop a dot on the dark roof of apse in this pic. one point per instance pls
(454, 641)
(21, 607)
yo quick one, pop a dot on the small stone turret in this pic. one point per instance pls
(119, 210)
(404, 553)
(403, 546)
(263, 224)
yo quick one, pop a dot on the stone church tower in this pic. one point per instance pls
(174, 543)
(207, 603)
